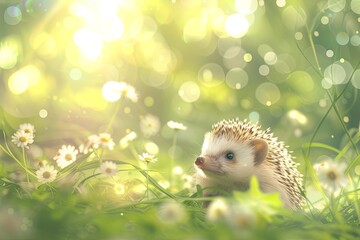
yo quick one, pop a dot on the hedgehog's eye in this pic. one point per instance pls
(229, 156)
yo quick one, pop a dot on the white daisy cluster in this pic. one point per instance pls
(332, 175)
(93, 142)
(24, 135)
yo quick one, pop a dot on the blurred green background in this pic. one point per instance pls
(278, 63)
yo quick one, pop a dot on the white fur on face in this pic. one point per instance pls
(214, 150)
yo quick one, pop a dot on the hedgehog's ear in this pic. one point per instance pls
(260, 149)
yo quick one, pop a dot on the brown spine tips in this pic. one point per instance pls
(260, 150)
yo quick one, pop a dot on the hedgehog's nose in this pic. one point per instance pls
(199, 161)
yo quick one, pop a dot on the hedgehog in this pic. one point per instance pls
(235, 150)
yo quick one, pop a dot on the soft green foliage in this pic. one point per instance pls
(121, 92)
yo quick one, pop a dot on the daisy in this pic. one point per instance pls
(66, 155)
(28, 128)
(147, 157)
(22, 139)
(108, 168)
(176, 125)
(150, 125)
(171, 212)
(106, 141)
(46, 174)
(130, 93)
(124, 142)
(127, 91)
(92, 142)
(332, 175)
(218, 210)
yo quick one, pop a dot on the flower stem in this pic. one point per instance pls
(172, 160)
(147, 180)
(25, 164)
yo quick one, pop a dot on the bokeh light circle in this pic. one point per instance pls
(329, 53)
(267, 94)
(355, 6)
(355, 40)
(247, 57)
(298, 36)
(301, 81)
(12, 15)
(246, 7)
(237, 78)
(211, 75)
(111, 91)
(264, 70)
(281, 3)
(324, 20)
(336, 73)
(342, 38)
(236, 25)
(270, 58)
(336, 5)
(43, 113)
(189, 91)
(254, 116)
(355, 80)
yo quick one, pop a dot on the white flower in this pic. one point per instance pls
(22, 139)
(28, 128)
(127, 90)
(242, 216)
(106, 141)
(108, 168)
(332, 175)
(119, 188)
(146, 157)
(218, 210)
(46, 174)
(130, 93)
(124, 142)
(150, 125)
(176, 125)
(171, 212)
(92, 142)
(66, 155)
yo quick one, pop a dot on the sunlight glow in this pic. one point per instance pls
(23, 79)
(89, 43)
(236, 25)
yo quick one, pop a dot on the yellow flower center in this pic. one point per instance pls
(104, 139)
(27, 130)
(22, 139)
(148, 159)
(46, 175)
(332, 175)
(108, 170)
(68, 157)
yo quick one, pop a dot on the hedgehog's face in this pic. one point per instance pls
(233, 160)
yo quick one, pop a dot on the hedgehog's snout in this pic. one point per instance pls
(200, 161)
